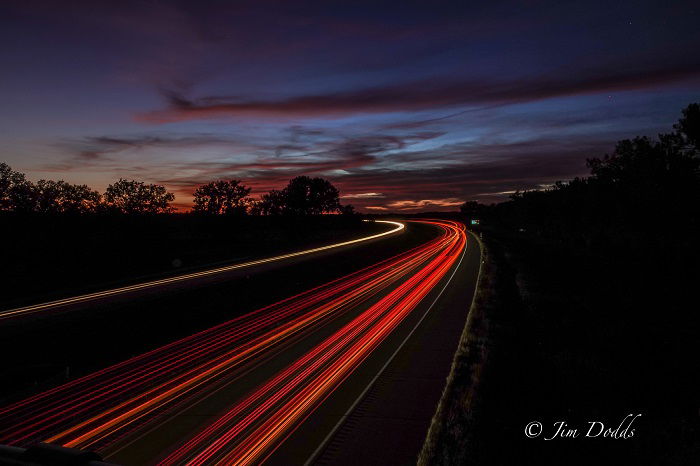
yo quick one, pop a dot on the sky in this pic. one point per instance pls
(404, 106)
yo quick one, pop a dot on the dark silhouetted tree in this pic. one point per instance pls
(310, 196)
(136, 197)
(645, 177)
(61, 197)
(222, 197)
(472, 210)
(272, 203)
(16, 192)
(302, 196)
(8, 179)
(643, 183)
(688, 127)
(347, 210)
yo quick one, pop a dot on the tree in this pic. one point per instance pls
(688, 127)
(222, 197)
(136, 197)
(643, 183)
(649, 164)
(310, 196)
(302, 196)
(471, 210)
(16, 192)
(272, 203)
(347, 210)
(61, 197)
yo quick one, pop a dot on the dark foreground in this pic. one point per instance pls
(51, 256)
(576, 342)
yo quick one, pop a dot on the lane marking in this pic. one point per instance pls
(9, 313)
(345, 416)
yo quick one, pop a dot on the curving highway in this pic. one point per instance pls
(249, 389)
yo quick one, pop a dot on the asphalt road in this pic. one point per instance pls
(190, 279)
(382, 414)
(41, 350)
(377, 414)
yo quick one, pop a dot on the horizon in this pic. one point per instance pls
(403, 109)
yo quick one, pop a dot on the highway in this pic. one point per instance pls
(280, 383)
(67, 302)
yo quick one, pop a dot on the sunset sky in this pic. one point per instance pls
(403, 105)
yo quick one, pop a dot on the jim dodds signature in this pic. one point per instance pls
(592, 429)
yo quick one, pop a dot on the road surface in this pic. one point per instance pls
(296, 381)
(41, 349)
(188, 278)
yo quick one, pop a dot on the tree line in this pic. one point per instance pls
(302, 196)
(646, 188)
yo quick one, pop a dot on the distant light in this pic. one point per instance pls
(475, 221)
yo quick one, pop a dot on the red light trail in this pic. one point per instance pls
(122, 400)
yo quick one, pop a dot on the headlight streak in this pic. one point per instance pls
(123, 400)
(10, 313)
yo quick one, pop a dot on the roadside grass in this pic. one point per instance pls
(562, 334)
(449, 439)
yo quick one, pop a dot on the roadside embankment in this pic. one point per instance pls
(565, 335)
(451, 434)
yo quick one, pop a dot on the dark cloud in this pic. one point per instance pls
(326, 152)
(428, 94)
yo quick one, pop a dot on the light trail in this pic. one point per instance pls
(132, 397)
(254, 427)
(10, 313)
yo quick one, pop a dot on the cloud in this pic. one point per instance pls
(363, 196)
(504, 193)
(425, 94)
(488, 173)
(373, 172)
(117, 152)
(423, 203)
(200, 157)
